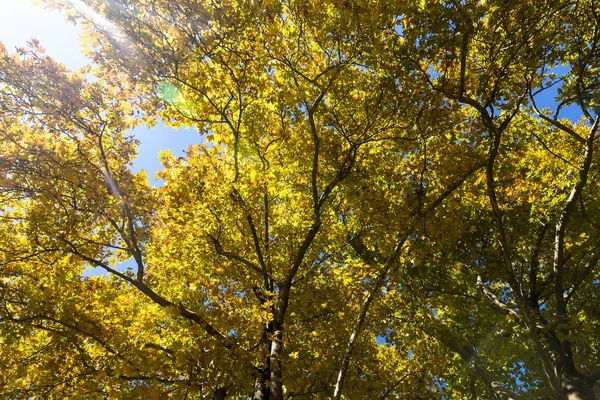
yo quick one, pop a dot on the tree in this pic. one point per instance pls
(380, 206)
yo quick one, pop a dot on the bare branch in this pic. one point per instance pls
(555, 122)
(495, 300)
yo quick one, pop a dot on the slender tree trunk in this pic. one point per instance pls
(337, 393)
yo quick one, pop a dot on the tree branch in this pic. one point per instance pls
(563, 220)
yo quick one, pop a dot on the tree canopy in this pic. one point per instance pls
(388, 200)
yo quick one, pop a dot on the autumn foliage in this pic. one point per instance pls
(388, 200)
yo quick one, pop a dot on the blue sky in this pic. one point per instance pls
(19, 22)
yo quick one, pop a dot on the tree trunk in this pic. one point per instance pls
(577, 388)
(261, 392)
(220, 393)
(276, 384)
(261, 389)
(276, 381)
